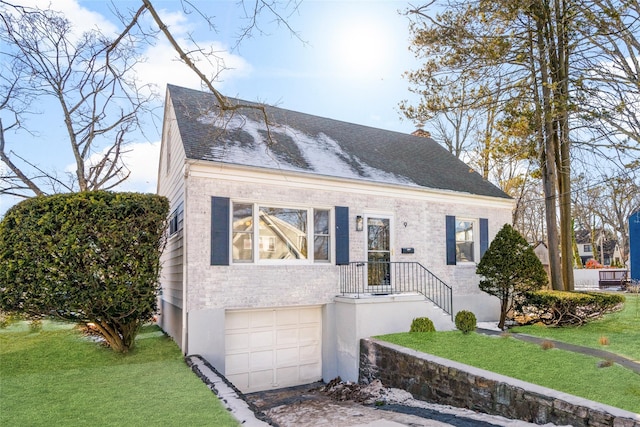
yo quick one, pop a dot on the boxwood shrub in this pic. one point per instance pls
(422, 324)
(465, 321)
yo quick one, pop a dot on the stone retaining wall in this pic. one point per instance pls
(443, 381)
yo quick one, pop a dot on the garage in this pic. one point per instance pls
(275, 348)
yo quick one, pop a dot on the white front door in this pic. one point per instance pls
(378, 252)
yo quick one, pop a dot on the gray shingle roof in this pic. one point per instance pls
(316, 145)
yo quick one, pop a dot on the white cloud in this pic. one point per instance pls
(176, 21)
(163, 66)
(142, 160)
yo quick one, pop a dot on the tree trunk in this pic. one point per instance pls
(110, 333)
(504, 307)
(552, 228)
(560, 77)
(553, 67)
(548, 155)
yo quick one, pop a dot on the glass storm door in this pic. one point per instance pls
(378, 251)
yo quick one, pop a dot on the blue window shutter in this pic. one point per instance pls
(342, 235)
(484, 236)
(220, 230)
(451, 239)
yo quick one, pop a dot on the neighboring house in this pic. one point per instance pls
(542, 252)
(608, 249)
(616, 258)
(585, 247)
(290, 242)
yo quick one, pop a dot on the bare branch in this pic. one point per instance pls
(223, 104)
(88, 78)
(16, 170)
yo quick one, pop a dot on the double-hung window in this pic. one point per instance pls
(242, 235)
(321, 236)
(176, 221)
(465, 248)
(263, 233)
(467, 239)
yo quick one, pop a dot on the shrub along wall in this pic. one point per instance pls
(443, 381)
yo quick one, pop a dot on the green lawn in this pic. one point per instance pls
(565, 371)
(57, 376)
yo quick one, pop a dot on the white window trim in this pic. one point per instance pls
(255, 235)
(476, 241)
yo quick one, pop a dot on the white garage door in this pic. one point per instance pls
(275, 348)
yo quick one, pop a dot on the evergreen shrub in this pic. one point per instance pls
(422, 324)
(465, 321)
(509, 268)
(89, 257)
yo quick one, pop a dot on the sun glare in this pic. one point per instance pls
(363, 49)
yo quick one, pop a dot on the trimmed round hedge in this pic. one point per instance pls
(465, 321)
(422, 324)
(89, 257)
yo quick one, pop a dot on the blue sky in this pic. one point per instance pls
(347, 65)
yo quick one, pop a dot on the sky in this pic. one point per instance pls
(345, 61)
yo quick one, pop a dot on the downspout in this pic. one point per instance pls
(185, 270)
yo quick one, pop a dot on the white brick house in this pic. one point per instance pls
(284, 251)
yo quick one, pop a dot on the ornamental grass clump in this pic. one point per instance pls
(422, 324)
(465, 321)
(547, 345)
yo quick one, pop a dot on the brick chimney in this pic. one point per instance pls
(421, 132)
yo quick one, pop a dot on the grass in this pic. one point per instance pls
(621, 330)
(58, 376)
(564, 371)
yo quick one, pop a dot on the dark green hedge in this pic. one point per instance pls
(559, 308)
(87, 257)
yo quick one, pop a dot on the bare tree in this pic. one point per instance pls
(610, 82)
(453, 122)
(87, 79)
(90, 79)
(528, 215)
(606, 204)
